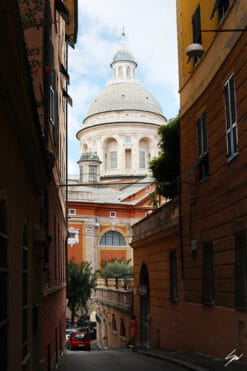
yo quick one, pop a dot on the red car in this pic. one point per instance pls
(80, 339)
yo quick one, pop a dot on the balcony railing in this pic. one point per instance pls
(118, 298)
(161, 219)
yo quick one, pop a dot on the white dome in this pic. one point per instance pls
(123, 55)
(125, 96)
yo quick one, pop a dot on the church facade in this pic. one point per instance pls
(118, 138)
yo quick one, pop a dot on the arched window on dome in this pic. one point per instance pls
(85, 147)
(128, 71)
(110, 154)
(120, 71)
(112, 238)
(143, 153)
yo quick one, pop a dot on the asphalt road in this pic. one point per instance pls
(113, 360)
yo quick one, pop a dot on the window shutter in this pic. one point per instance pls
(216, 5)
(196, 25)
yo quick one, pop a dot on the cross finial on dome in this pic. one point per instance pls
(123, 32)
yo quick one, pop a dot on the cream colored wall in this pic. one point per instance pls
(96, 138)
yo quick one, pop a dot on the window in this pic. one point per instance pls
(72, 211)
(207, 275)
(203, 162)
(3, 286)
(112, 238)
(73, 236)
(231, 118)
(92, 173)
(196, 29)
(142, 159)
(113, 214)
(24, 296)
(241, 271)
(122, 328)
(222, 6)
(173, 277)
(113, 159)
(127, 158)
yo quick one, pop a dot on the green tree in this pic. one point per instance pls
(81, 280)
(166, 167)
(116, 268)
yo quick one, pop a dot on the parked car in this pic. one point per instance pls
(69, 331)
(91, 330)
(80, 339)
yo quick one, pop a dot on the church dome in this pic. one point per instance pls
(125, 96)
(123, 55)
(89, 156)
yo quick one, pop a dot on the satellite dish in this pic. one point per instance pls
(194, 50)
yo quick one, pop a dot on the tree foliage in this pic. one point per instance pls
(166, 167)
(81, 280)
(114, 267)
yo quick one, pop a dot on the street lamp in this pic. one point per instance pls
(197, 50)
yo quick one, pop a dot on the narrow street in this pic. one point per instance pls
(113, 360)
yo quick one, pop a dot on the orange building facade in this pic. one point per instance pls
(212, 87)
(158, 288)
(102, 231)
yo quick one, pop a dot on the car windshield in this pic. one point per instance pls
(79, 336)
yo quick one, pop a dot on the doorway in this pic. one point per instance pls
(145, 307)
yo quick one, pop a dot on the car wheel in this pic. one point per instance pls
(88, 349)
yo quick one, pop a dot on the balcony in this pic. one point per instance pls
(119, 298)
(161, 219)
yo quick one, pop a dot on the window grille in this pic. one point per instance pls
(112, 238)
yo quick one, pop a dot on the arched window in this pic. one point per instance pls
(112, 238)
(3, 286)
(128, 71)
(120, 71)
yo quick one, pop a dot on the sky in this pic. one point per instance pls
(151, 36)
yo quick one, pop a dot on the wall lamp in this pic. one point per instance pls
(197, 50)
